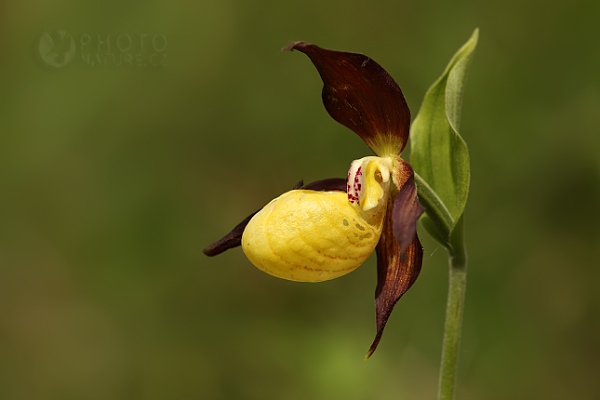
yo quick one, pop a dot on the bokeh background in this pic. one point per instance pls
(114, 177)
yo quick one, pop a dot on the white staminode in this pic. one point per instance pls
(368, 182)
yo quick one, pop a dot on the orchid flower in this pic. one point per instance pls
(327, 228)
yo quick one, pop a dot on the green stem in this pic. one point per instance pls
(457, 285)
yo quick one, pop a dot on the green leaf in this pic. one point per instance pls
(439, 155)
(438, 221)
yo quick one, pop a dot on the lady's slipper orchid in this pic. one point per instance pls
(328, 228)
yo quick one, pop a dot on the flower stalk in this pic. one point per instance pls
(457, 285)
(440, 159)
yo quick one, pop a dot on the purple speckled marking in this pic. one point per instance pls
(355, 187)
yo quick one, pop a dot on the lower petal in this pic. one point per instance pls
(397, 270)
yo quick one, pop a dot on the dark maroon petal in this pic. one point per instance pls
(327, 185)
(396, 272)
(359, 94)
(298, 185)
(234, 238)
(406, 213)
(229, 241)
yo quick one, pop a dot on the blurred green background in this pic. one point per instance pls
(114, 177)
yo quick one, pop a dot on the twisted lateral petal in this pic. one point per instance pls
(326, 185)
(397, 270)
(399, 252)
(406, 213)
(359, 94)
(229, 241)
